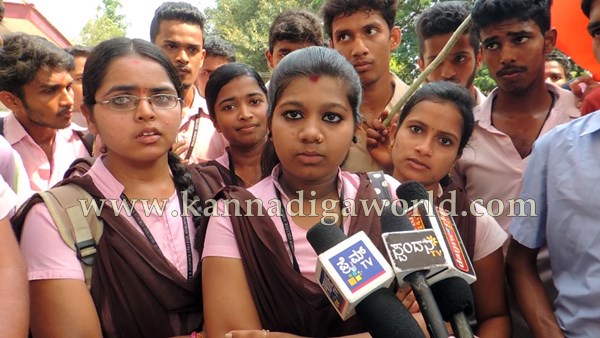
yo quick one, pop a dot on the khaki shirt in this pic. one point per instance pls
(359, 159)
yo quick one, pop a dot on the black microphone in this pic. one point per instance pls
(397, 233)
(424, 215)
(381, 312)
(384, 315)
(323, 237)
(393, 219)
(455, 301)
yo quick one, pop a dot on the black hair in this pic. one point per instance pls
(333, 8)
(443, 18)
(562, 59)
(179, 11)
(78, 51)
(321, 61)
(488, 12)
(21, 58)
(95, 71)
(441, 92)
(296, 26)
(217, 47)
(305, 62)
(107, 51)
(222, 76)
(586, 7)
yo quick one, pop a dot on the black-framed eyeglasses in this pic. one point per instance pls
(130, 102)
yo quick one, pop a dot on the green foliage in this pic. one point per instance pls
(576, 70)
(110, 10)
(106, 25)
(484, 81)
(245, 23)
(408, 52)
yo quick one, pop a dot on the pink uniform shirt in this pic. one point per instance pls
(489, 236)
(220, 240)
(490, 168)
(8, 199)
(209, 144)
(13, 172)
(48, 257)
(42, 173)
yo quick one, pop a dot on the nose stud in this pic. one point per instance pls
(319, 140)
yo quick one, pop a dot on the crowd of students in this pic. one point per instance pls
(176, 123)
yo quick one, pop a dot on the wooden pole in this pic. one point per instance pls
(432, 66)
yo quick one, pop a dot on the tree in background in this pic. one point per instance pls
(106, 25)
(404, 59)
(245, 23)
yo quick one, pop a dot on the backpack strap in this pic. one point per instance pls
(1, 126)
(88, 141)
(80, 166)
(80, 231)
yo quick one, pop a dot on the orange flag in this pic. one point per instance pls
(573, 38)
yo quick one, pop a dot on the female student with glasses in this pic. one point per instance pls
(145, 280)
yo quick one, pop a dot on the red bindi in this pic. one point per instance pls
(314, 78)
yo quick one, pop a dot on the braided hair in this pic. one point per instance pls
(183, 183)
(99, 61)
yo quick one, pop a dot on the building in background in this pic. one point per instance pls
(20, 16)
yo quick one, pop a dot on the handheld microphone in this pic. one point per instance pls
(455, 301)
(348, 269)
(424, 215)
(412, 254)
(355, 277)
(410, 250)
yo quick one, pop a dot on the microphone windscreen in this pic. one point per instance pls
(411, 191)
(394, 322)
(391, 222)
(453, 295)
(323, 237)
